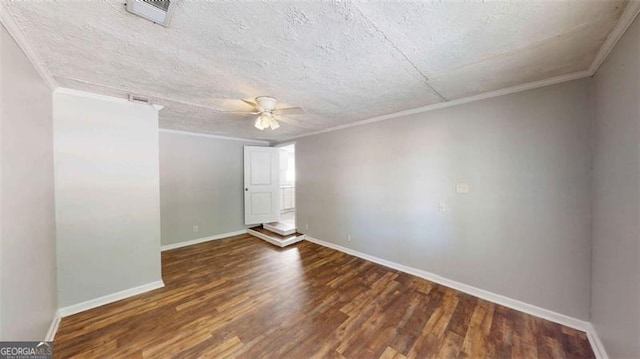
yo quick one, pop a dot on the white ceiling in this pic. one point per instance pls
(342, 62)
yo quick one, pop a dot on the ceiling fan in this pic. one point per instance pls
(265, 107)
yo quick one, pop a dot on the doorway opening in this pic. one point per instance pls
(270, 193)
(288, 185)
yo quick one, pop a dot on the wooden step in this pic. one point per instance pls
(283, 229)
(275, 238)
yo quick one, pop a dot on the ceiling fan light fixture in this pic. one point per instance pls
(260, 123)
(266, 109)
(273, 123)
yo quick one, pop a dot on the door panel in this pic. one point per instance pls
(261, 203)
(261, 185)
(260, 168)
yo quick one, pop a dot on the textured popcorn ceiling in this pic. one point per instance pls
(342, 62)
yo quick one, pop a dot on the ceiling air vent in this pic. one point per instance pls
(157, 11)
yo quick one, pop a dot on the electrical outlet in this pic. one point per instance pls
(462, 188)
(195, 229)
(348, 238)
(306, 226)
(442, 207)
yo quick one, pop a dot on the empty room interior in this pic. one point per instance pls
(215, 179)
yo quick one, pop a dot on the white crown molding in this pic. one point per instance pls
(20, 38)
(169, 247)
(626, 19)
(483, 96)
(109, 298)
(92, 95)
(629, 14)
(284, 143)
(596, 344)
(477, 292)
(53, 328)
(199, 134)
(96, 96)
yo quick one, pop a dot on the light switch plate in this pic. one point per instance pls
(462, 188)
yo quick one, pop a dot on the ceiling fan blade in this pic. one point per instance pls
(289, 111)
(255, 105)
(293, 122)
(242, 112)
(287, 120)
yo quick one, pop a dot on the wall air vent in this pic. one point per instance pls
(139, 99)
(157, 11)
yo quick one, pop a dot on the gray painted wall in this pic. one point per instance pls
(27, 235)
(524, 229)
(201, 183)
(107, 196)
(615, 307)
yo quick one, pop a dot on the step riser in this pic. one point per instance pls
(279, 231)
(275, 241)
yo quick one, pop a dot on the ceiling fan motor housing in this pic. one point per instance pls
(267, 103)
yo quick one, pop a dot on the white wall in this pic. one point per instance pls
(27, 231)
(201, 183)
(524, 229)
(615, 307)
(107, 196)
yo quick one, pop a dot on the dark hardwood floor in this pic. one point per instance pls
(241, 297)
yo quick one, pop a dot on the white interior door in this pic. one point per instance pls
(261, 184)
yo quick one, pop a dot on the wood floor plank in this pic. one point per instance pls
(390, 353)
(243, 298)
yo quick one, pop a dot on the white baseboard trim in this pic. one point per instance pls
(53, 328)
(596, 344)
(477, 292)
(110, 298)
(276, 242)
(201, 240)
